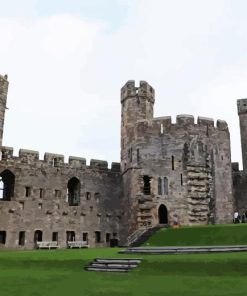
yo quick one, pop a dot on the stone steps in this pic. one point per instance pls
(113, 264)
(185, 250)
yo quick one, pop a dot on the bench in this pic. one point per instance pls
(47, 245)
(77, 244)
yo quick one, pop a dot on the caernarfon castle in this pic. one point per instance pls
(168, 171)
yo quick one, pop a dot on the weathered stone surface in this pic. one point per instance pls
(169, 172)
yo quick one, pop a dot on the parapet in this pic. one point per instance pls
(242, 106)
(144, 90)
(7, 152)
(221, 125)
(101, 164)
(205, 121)
(28, 155)
(77, 162)
(54, 159)
(185, 119)
(5, 77)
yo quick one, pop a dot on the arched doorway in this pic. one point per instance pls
(73, 191)
(163, 219)
(37, 236)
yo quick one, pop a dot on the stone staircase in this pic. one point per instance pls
(144, 236)
(113, 264)
(185, 250)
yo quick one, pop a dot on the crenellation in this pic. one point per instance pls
(28, 155)
(100, 164)
(222, 125)
(205, 121)
(185, 119)
(7, 152)
(77, 162)
(53, 159)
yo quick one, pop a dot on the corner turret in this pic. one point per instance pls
(242, 113)
(3, 99)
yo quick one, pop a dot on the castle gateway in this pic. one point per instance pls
(169, 172)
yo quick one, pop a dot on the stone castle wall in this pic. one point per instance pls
(46, 207)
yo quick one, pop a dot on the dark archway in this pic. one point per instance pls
(37, 236)
(163, 217)
(7, 185)
(74, 191)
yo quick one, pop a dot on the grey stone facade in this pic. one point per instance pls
(169, 172)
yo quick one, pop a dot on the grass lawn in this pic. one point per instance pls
(61, 273)
(230, 234)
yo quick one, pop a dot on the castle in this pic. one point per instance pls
(168, 172)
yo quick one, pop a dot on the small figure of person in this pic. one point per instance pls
(236, 217)
(243, 218)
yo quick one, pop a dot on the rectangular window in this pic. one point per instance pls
(159, 186)
(146, 187)
(70, 235)
(27, 191)
(2, 237)
(88, 195)
(165, 185)
(107, 237)
(40, 205)
(21, 238)
(22, 205)
(85, 236)
(97, 236)
(54, 236)
(57, 193)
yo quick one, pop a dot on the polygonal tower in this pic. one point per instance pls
(242, 113)
(137, 104)
(3, 99)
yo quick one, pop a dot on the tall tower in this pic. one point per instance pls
(3, 99)
(242, 113)
(137, 104)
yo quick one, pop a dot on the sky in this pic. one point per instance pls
(66, 61)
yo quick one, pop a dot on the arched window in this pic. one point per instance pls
(7, 185)
(74, 191)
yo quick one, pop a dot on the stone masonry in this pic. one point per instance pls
(169, 173)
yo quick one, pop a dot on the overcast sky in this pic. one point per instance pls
(67, 60)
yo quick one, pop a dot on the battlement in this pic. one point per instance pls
(4, 78)
(144, 90)
(55, 160)
(242, 106)
(182, 120)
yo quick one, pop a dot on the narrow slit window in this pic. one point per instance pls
(181, 179)
(172, 162)
(165, 185)
(162, 129)
(41, 193)
(27, 191)
(138, 155)
(159, 186)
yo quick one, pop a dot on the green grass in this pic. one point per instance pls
(61, 272)
(232, 234)
(51, 273)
